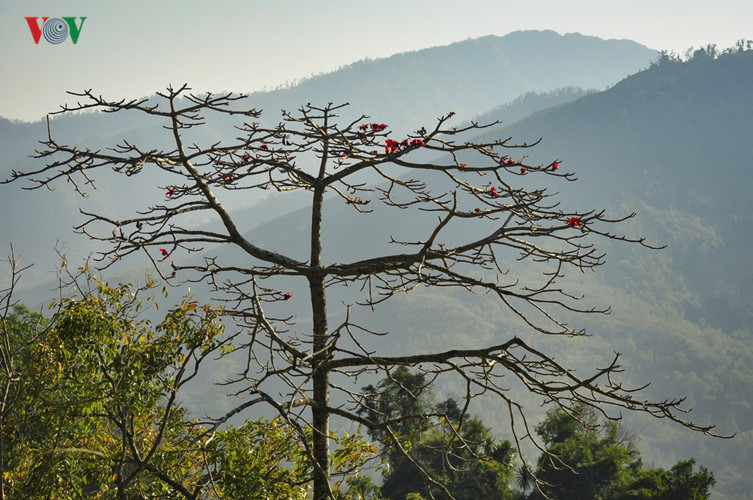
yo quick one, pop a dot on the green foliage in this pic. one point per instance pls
(95, 412)
(361, 488)
(582, 460)
(587, 459)
(679, 483)
(20, 422)
(403, 399)
(250, 461)
(458, 452)
(102, 415)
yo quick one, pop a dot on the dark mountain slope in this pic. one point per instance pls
(674, 137)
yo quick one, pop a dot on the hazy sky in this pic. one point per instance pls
(134, 48)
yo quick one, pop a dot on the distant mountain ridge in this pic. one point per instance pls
(472, 76)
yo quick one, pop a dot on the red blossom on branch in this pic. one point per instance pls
(376, 127)
(573, 221)
(391, 146)
(171, 191)
(164, 252)
(523, 170)
(265, 147)
(493, 192)
(287, 295)
(462, 165)
(555, 165)
(356, 201)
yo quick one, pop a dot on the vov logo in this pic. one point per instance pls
(55, 30)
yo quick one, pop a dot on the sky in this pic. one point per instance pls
(136, 48)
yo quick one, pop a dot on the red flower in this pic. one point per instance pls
(506, 160)
(493, 192)
(175, 273)
(246, 159)
(573, 221)
(462, 165)
(265, 147)
(417, 143)
(171, 191)
(555, 165)
(391, 146)
(478, 210)
(364, 126)
(164, 253)
(287, 295)
(523, 170)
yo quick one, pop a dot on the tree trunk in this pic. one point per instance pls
(320, 371)
(320, 410)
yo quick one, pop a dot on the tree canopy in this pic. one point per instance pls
(94, 411)
(586, 458)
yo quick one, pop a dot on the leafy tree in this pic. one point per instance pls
(361, 487)
(587, 459)
(680, 482)
(95, 411)
(457, 451)
(98, 413)
(19, 330)
(490, 206)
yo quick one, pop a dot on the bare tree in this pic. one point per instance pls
(471, 183)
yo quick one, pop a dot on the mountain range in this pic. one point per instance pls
(664, 137)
